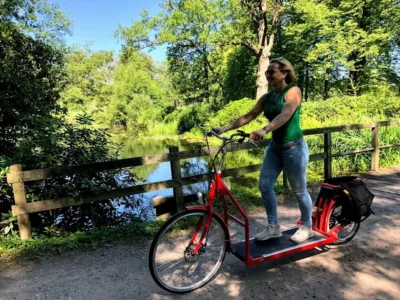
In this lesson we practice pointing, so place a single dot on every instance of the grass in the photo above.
(163, 129)
(12, 249)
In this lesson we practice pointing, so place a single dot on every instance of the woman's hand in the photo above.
(219, 130)
(258, 134)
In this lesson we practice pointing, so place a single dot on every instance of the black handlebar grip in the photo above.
(243, 134)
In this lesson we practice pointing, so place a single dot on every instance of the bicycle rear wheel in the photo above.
(349, 230)
(172, 263)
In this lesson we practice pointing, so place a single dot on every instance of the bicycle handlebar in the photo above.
(240, 133)
(225, 142)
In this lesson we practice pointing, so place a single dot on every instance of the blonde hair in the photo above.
(286, 66)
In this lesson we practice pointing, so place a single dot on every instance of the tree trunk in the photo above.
(265, 35)
(355, 76)
(326, 89)
(206, 77)
(307, 79)
(262, 84)
(300, 80)
(326, 84)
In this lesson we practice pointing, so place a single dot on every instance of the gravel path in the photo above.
(366, 268)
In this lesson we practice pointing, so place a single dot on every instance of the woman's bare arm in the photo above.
(250, 116)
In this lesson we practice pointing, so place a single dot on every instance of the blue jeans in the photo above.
(293, 157)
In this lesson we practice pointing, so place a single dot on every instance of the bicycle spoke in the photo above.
(349, 229)
(182, 260)
(209, 240)
(173, 242)
(214, 247)
(174, 267)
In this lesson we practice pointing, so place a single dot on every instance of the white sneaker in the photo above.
(302, 234)
(269, 232)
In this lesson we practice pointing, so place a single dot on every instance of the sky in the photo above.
(95, 21)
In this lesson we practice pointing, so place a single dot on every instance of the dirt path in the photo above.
(366, 268)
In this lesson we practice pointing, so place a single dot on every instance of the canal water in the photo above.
(162, 171)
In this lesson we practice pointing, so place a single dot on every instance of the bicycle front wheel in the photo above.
(172, 263)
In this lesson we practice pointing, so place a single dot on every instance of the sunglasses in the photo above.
(270, 73)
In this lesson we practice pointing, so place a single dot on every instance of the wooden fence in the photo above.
(17, 177)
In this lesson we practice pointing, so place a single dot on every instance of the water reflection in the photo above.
(193, 166)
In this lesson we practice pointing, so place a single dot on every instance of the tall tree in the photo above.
(88, 82)
(203, 26)
(136, 93)
(30, 68)
(191, 74)
(39, 19)
(369, 31)
(239, 74)
(33, 131)
(265, 15)
(347, 46)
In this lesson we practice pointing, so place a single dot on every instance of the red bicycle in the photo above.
(189, 249)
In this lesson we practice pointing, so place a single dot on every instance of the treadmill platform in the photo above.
(273, 246)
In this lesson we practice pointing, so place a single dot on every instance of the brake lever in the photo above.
(253, 143)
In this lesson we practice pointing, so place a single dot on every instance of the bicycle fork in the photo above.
(206, 227)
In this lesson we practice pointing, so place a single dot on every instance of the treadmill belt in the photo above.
(272, 246)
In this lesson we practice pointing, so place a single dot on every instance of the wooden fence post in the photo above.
(176, 175)
(328, 152)
(20, 200)
(375, 152)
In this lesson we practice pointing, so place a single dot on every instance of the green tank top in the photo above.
(273, 106)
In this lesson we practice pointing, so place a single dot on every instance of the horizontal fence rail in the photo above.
(22, 209)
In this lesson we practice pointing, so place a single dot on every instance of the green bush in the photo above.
(350, 110)
(193, 117)
(335, 111)
(234, 110)
(188, 119)
(346, 110)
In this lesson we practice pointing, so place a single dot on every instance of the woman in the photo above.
(287, 149)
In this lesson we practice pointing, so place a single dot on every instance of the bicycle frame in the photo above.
(219, 188)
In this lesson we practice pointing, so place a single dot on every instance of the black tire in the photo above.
(179, 229)
(349, 230)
